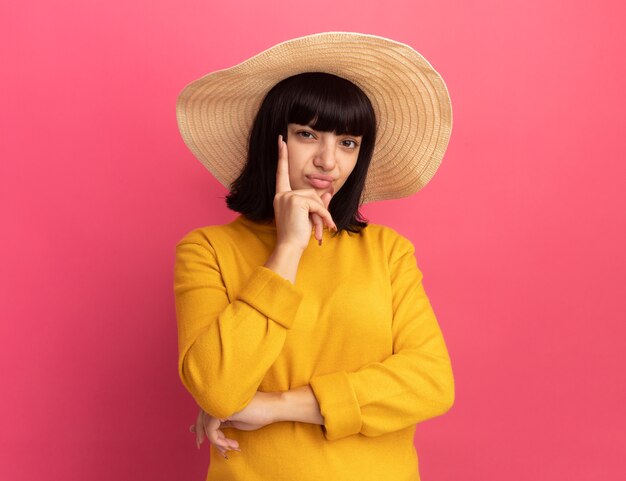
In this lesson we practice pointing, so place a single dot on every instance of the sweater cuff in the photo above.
(338, 405)
(272, 295)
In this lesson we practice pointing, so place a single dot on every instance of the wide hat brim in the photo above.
(410, 99)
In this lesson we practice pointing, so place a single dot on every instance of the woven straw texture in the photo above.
(410, 99)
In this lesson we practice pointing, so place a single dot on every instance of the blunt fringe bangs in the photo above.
(327, 103)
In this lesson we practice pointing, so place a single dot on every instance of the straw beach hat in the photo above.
(410, 100)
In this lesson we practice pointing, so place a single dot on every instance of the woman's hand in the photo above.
(259, 412)
(297, 211)
(209, 426)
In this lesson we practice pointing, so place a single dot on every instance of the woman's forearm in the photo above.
(284, 261)
(299, 405)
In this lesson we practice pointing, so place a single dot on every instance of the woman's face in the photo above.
(320, 160)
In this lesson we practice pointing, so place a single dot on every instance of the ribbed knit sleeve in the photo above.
(226, 346)
(415, 383)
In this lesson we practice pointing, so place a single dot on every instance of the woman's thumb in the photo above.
(326, 196)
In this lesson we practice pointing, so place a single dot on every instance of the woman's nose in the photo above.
(325, 157)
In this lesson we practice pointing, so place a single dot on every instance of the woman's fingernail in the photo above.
(319, 242)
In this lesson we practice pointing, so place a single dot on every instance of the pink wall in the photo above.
(520, 235)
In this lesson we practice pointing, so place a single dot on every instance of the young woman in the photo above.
(305, 333)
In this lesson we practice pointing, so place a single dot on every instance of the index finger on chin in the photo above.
(282, 169)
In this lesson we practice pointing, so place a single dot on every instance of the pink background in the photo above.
(520, 235)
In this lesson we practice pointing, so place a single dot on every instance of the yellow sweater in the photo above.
(357, 326)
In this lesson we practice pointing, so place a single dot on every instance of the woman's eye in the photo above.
(350, 143)
(305, 134)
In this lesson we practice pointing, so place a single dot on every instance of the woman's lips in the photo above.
(319, 183)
